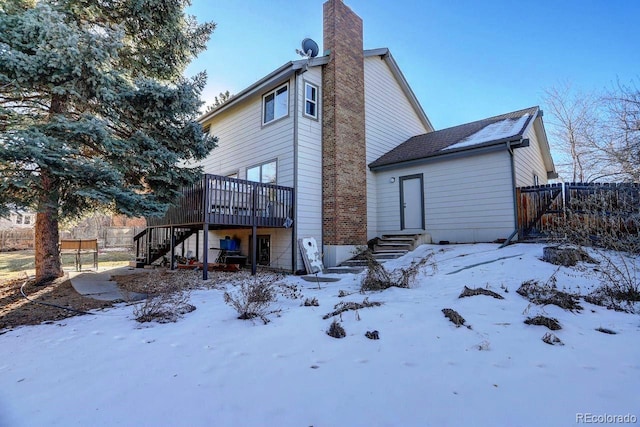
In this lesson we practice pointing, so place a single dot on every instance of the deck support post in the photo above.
(254, 223)
(172, 246)
(205, 252)
(198, 244)
(254, 250)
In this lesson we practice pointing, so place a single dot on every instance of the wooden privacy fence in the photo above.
(613, 208)
(16, 239)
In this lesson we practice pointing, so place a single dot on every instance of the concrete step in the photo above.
(354, 263)
(391, 246)
(345, 270)
(397, 239)
(384, 255)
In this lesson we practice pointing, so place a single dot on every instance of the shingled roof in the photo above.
(469, 136)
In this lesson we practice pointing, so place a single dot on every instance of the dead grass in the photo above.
(468, 292)
(16, 310)
(551, 339)
(341, 307)
(548, 294)
(549, 322)
(17, 264)
(454, 317)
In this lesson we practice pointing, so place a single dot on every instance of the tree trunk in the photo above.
(48, 265)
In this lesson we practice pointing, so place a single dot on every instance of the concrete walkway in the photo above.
(98, 284)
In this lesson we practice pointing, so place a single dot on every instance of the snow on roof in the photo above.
(493, 132)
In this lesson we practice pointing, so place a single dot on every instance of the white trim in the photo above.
(315, 102)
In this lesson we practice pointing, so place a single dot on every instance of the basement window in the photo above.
(310, 100)
(275, 104)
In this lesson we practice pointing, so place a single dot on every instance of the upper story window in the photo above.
(310, 100)
(275, 104)
(265, 173)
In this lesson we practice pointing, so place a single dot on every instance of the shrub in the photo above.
(253, 297)
(548, 294)
(336, 330)
(313, 302)
(167, 302)
(610, 227)
(377, 278)
(372, 335)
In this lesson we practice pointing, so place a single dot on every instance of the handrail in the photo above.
(222, 200)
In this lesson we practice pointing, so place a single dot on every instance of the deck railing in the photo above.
(220, 200)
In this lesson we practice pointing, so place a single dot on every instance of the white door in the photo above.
(411, 202)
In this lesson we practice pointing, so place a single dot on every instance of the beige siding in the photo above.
(309, 186)
(466, 200)
(390, 120)
(528, 161)
(243, 141)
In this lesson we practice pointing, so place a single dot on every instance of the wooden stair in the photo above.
(162, 248)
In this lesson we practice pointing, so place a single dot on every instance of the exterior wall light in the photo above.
(392, 179)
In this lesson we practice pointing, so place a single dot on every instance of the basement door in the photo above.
(412, 202)
(264, 248)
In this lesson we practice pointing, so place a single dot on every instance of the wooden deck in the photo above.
(216, 202)
(222, 201)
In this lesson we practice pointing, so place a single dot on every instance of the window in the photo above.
(275, 104)
(265, 173)
(310, 100)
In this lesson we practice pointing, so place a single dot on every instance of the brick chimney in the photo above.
(344, 170)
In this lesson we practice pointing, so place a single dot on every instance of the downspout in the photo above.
(294, 228)
(513, 187)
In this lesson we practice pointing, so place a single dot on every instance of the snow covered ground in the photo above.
(211, 369)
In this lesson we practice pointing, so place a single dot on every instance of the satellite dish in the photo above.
(309, 48)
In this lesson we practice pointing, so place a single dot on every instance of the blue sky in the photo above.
(464, 59)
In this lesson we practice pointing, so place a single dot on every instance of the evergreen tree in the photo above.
(94, 110)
